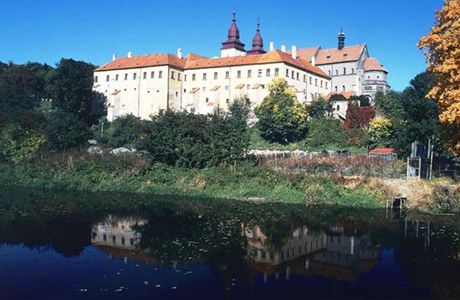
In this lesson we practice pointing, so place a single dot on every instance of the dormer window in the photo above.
(328, 56)
(345, 54)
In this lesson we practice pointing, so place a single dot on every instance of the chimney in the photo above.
(179, 53)
(130, 54)
(114, 57)
(272, 46)
(313, 60)
(294, 52)
(283, 48)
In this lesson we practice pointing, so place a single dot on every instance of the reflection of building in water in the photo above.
(117, 232)
(300, 243)
(336, 256)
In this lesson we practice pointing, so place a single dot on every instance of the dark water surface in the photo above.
(114, 246)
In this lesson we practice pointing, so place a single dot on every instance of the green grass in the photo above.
(244, 181)
(257, 142)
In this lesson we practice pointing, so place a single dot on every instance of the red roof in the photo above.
(194, 61)
(372, 64)
(332, 55)
(383, 151)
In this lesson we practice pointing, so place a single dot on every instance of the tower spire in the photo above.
(341, 39)
(257, 42)
(233, 36)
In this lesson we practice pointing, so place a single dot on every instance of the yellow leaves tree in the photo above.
(442, 47)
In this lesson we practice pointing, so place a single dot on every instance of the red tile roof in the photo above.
(143, 61)
(193, 61)
(269, 57)
(347, 95)
(332, 55)
(383, 151)
(372, 64)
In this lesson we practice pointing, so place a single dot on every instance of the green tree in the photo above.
(282, 118)
(127, 131)
(318, 108)
(381, 133)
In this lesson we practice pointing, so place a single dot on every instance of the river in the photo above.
(56, 245)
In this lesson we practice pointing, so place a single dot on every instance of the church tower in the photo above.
(232, 46)
(257, 42)
(341, 38)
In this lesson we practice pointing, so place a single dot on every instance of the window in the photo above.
(145, 75)
(305, 78)
(292, 74)
(227, 75)
(152, 74)
(336, 72)
(238, 74)
(108, 78)
(177, 94)
(343, 88)
(249, 73)
(277, 71)
(329, 72)
(204, 89)
(178, 76)
(215, 75)
(114, 239)
(316, 81)
(116, 77)
(338, 107)
(172, 75)
(267, 73)
(352, 70)
(160, 74)
(335, 88)
(207, 100)
(344, 71)
(325, 84)
(122, 240)
(226, 87)
(378, 77)
(193, 77)
(298, 76)
(104, 237)
(311, 80)
(287, 73)
(134, 76)
(205, 77)
(248, 86)
(95, 78)
(259, 73)
(227, 100)
(185, 77)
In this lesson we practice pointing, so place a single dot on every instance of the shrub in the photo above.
(381, 133)
(19, 145)
(325, 131)
(127, 131)
(282, 118)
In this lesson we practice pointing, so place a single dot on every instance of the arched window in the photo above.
(344, 71)
(338, 107)
(343, 88)
(336, 88)
(327, 71)
(352, 70)
(336, 72)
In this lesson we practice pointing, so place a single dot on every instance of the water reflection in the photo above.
(212, 251)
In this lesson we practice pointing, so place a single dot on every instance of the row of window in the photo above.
(344, 71)
(289, 74)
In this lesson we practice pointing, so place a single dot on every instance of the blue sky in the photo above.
(92, 30)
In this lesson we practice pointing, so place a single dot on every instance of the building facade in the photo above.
(149, 84)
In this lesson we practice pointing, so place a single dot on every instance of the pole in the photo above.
(431, 160)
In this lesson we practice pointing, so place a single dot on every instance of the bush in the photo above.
(19, 145)
(282, 118)
(325, 131)
(127, 131)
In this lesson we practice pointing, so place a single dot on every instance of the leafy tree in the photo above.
(71, 85)
(363, 100)
(381, 133)
(65, 130)
(19, 91)
(325, 131)
(282, 118)
(358, 117)
(443, 56)
(318, 108)
(390, 104)
(127, 131)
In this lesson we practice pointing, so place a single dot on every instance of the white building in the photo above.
(148, 84)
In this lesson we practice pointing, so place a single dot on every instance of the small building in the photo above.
(385, 153)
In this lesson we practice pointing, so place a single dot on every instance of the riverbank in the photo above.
(246, 181)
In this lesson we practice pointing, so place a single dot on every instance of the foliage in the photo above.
(19, 144)
(71, 85)
(325, 131)
(282, 118)
(126, 131)
(443, 56)
(363, 100)
(358, 117)
(381, 132)
(65, 130)
(318, 108)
